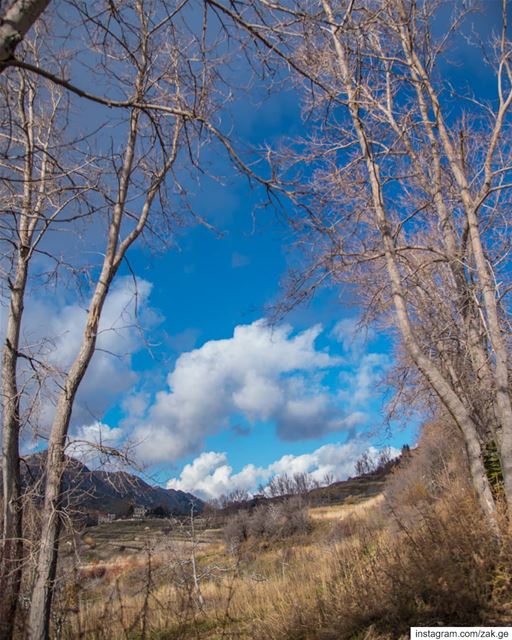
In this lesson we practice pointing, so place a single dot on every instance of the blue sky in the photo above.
(212, 395)
(210, 291)
(211, 283)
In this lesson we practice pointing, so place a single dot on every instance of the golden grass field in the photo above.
(367, 569)
(244, 594)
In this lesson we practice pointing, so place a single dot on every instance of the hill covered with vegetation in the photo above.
(406, 546)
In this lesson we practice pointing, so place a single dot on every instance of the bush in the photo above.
(294, 517)
(438, 570)
(236, 529)
(271, 521)
(431, 561)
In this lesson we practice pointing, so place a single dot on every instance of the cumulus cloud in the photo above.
(360, 384)
(210, 474)
(353, 338)
(110, 373)
(136, 404)
(53, 331)
(262, 373)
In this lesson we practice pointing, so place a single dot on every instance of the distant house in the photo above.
(106, 517)
(139, 513)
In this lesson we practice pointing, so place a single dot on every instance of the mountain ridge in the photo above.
(97, 490)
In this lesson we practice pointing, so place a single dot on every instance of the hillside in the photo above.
(406, 546)
(349, 491)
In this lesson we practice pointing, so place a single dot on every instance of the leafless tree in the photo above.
(405, 188)
(162, 65)
(404, 191)
(234, 498)
(40, 185)
(364, 464)
(297, 484)
(158, 71)
(17, 17)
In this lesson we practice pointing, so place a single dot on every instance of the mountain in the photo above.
(93, 491)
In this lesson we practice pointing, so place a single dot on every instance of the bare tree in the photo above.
(39, 187)
(151, 148)
(364, 464)
(297, 484)
(405, 187)
(236, 497)
(163, 65)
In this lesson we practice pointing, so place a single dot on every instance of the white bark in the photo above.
(116, 250)
(471, 203)
(12, 548)
(40, 607)
(15, 24)
(425, 365)
(27, 220)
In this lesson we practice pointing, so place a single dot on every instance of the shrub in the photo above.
(431, 560)
(236, 529)
(437, 570)
(271, 521)
(294, 517)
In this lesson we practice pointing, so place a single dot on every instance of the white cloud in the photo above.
(360, 384)
(90, 440)
(363, 370)
(110, 373)
(136, 404)
(53, 332)
(262, 372)
(352, 336)
(99, 433)
(210, 475)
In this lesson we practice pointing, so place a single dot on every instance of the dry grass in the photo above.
(336, 512)
(421, 555)
(239, 596)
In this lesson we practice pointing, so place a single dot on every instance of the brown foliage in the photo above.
(273, 521)
(435, 563)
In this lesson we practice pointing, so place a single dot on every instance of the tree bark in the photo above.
(12, 537)
(503, 401)
(40, 608)
(431, 372)
(39, 615)
(14, 25)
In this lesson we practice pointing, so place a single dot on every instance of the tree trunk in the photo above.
(12, 536)
(502, 398)
(15, 24)
(425, 365)
(116, 248)
(40, 608)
